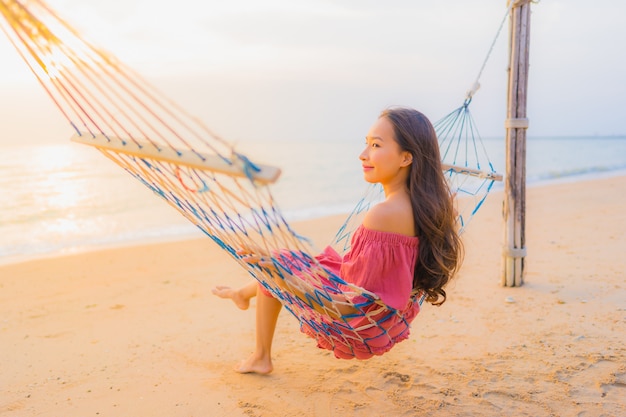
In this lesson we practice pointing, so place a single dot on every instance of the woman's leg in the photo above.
(241, 296)
(267, 311)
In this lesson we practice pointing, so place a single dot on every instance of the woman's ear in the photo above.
(407, 159)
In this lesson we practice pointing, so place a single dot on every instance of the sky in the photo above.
(305, 69)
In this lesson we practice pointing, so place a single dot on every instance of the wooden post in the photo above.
(514, 210)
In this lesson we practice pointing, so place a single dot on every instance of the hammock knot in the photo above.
(248, 167)
(470, 93)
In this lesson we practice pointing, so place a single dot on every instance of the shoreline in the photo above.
(193, 233)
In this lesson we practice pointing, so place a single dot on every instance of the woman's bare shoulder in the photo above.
(390, 217)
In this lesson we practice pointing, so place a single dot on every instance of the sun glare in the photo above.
(55, 62)
(57, 189)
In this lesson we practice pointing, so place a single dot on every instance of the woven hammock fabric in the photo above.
(220, 190)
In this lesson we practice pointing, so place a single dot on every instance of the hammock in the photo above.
(219, 189)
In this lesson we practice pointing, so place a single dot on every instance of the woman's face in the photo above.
(382, 159)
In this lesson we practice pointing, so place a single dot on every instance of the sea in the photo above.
(65, 197)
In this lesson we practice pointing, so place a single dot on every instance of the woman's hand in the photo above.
(261, 259)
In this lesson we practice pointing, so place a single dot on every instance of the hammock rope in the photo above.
(476, 83)
(221, 190)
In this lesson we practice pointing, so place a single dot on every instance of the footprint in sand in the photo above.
(397, 378)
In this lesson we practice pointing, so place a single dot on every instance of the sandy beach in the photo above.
(135, 331)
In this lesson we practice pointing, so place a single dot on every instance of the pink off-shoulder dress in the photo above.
(382, 263)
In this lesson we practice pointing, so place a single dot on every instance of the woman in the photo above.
(407, 244)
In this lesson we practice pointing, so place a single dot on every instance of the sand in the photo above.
(135, 331)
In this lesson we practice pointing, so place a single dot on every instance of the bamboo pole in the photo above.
(514, 210)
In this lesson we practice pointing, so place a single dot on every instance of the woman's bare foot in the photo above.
(256, 365)
(240, 300)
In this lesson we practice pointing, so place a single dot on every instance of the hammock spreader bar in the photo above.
(472, 172)
(235, 166)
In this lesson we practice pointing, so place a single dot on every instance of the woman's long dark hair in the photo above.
(440, 248)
